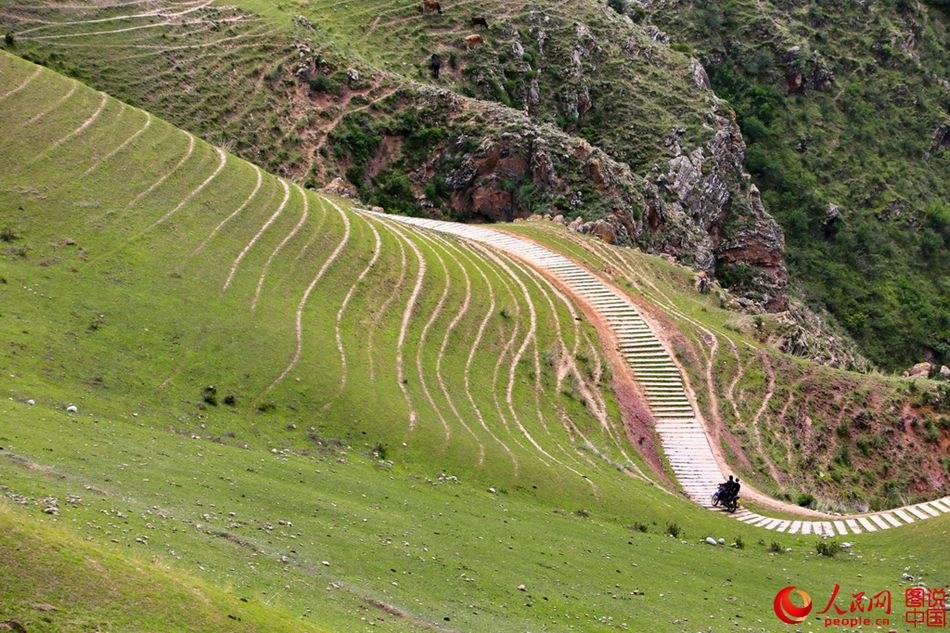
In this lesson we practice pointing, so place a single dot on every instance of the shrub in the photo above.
(740, 544)
(776, 548)
(826, 548)
(8, 39)
(617, 5)
(806, 500)
(7, 234)
(210, 395)
(230, 400)
(266, 407)
(381, 451)
(673, 530)
(321, 83)
(639, 527)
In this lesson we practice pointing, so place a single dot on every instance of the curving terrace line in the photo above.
(679, 423)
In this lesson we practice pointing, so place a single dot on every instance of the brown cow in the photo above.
(478, 20)
(431, 5)
(472, 41)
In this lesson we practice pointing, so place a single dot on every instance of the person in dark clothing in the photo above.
(725, 489)
(435, 65)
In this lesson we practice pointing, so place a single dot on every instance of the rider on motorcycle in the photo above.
(729, 490)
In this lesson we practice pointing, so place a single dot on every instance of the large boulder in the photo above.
(920, 370)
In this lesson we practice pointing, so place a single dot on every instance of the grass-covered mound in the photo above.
(217, 434)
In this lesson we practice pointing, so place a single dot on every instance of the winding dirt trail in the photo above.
(377, 251)
(247, 247)
(26, 82)
(126, 143)
(72, 90)
(404, 325)
(222, 160)
(769, 392)
(420, 348)
(463, 310)
(103, 100)
(158, 183)
(118, 18)
(277, 249)
(247, 201)
(298, 315)
(467, 373)
(381, 312)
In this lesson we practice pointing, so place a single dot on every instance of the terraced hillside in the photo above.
(309, 311)
(802, 432)
(216, 329)
(314, 91)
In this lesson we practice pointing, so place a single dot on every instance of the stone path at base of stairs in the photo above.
(682, 434)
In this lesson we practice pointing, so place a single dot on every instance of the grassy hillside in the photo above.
(530, 121)
(803, 431)
(220, 433)
(845, 111)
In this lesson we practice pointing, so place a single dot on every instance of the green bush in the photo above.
(826, 548)
(806, 500)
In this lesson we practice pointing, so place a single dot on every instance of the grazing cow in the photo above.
(431, 5)
(435, 65)
(472, 41)
(478, 20)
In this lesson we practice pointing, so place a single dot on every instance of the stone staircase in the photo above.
(680, 429)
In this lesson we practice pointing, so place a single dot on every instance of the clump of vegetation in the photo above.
(266, 407)
(826, 548)
(7, 234)
(806, 500)
(209, 395)
(230, 400)
(673, 529)
(776, 548)
(739, 543)
(639, 527)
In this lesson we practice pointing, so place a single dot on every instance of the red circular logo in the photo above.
(788, 612)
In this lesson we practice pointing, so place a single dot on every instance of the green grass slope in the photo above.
(267, 396)
(801, 430)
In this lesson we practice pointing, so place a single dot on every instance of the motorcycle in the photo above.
(729, 504)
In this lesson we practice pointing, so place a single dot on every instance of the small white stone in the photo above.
(72, 409)
(31, 402)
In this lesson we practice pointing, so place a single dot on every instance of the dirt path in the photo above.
(463, 310)
(103, 100)
(247, 247)
(158, 183)
(26, 82)
(381, 312)
(298, 316)
(377, 251)
(234, 214)
(222, 160)
(126, 143)
(467, 374)
(293, 232)
(404, 326)
(148, 14)
(769, 392)
(72, 90)
(420, 348)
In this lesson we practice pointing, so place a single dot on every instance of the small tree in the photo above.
(8, 40)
